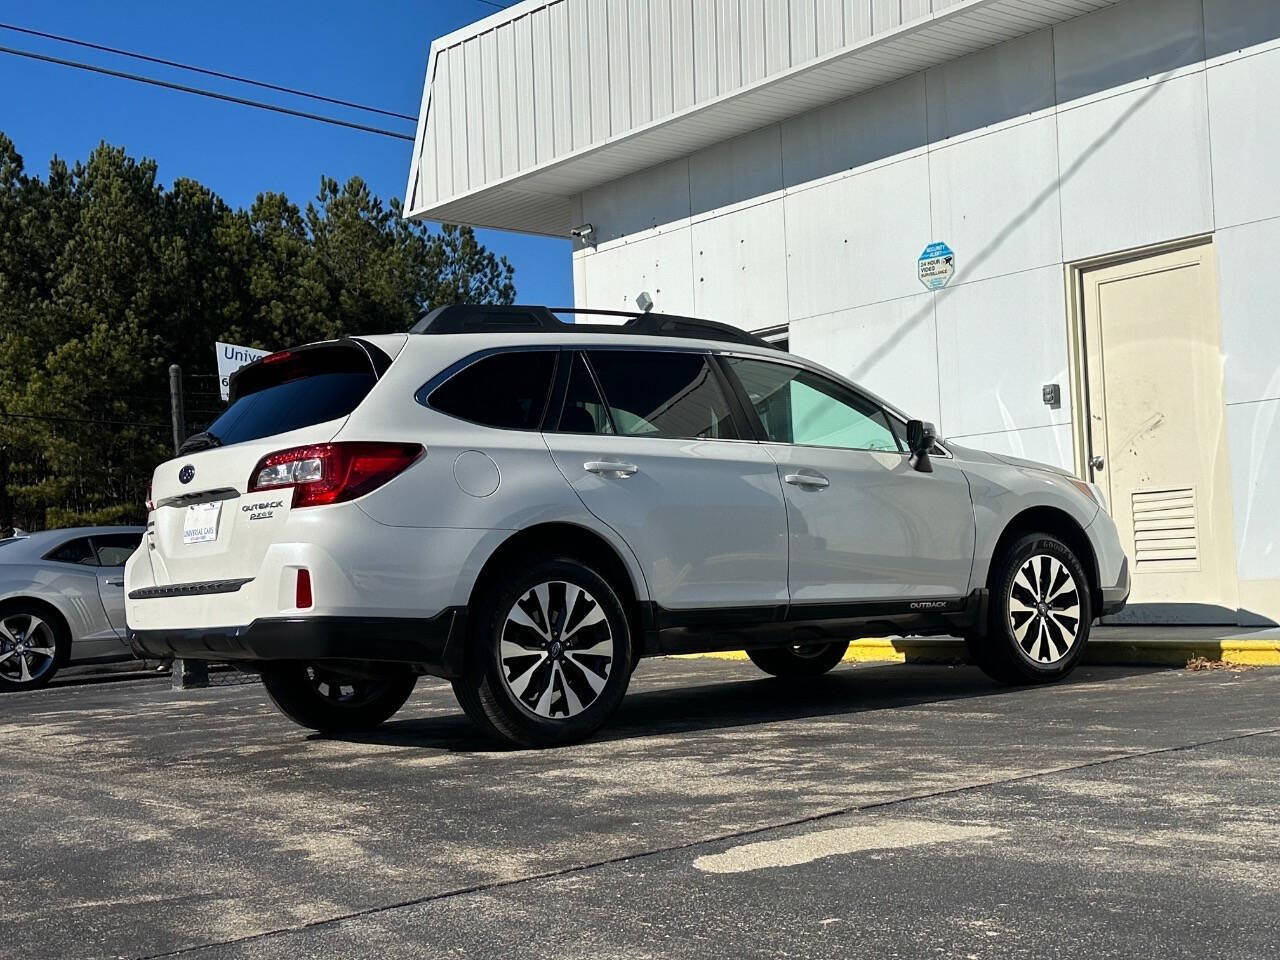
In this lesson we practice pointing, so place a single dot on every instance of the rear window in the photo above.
(303, 388)
(507, 390)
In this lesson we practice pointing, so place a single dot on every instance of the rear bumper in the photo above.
(434, 644)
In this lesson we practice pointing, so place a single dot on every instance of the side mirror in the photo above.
(920, 439)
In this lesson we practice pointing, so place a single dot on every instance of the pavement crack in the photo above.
(819, 817)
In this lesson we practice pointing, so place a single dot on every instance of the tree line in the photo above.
(107, 277)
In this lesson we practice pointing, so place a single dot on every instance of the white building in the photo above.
(1105, 173)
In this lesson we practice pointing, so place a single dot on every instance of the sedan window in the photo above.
(74, 551)
(800, 407)
(114, 549)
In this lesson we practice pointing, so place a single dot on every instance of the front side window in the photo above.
(800, 407)
(665, 395)
(506, 390)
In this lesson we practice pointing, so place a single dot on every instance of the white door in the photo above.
(659, 462)
(864, 524)
(1157, 432)
(112, 551)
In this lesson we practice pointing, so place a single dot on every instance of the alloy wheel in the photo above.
(28, 648)
(342, 690)
(1044, 609)
(556, 650)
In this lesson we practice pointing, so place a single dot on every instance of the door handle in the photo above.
(807, 480)
(1096, 462)
(610, 467)
(114, 583)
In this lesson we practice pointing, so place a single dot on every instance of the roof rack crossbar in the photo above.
(485, 318)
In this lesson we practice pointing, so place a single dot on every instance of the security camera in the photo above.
(584, 232)
(644, 301)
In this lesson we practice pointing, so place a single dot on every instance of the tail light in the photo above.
(151, 504)
(332, 472)
(302, 598)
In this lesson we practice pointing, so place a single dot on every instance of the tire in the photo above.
(33, 644)
(550, 655)
(800, 660)
(1039, 615)
(325, 699)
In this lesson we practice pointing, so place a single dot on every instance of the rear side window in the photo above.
(114, 549)
(663, 394)
(74, 551)
(298, 390)
(584, 410)
(507, 390)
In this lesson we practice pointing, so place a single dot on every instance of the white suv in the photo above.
(527, 506)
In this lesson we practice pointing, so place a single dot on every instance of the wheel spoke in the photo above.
(519, 682)
(43, 651)
(5, 633)
(6, 656)
(24, 672)
(594, 679)
(590, 619)
(519, 616)
(1020, 631)
(572, 703)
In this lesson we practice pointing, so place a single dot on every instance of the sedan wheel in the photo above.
(28, 651)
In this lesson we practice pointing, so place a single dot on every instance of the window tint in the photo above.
(797, 406)
(584, 411)
(507, 390)
(114, 549)
(74, 551)
(663, 394)
(297, 390)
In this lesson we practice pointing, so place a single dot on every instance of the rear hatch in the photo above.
(205, 525)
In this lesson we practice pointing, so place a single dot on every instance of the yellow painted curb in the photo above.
(1259, 653)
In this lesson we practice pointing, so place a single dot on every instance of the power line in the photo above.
(96, 423)
(204, 70)
(491, 3)
(226, 97)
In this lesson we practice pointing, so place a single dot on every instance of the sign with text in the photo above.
(230, 359)
(936, 266)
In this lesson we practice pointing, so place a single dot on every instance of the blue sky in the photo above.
(373, 53)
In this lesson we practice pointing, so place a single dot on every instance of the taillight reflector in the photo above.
(303, 599)
(332, 472)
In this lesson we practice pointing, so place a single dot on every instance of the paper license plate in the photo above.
(201, 522)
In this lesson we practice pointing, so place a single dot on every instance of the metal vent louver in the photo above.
(1165, 530)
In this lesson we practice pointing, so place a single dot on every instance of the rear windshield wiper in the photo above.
(199, 441)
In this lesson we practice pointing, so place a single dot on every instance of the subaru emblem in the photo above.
(187, 474)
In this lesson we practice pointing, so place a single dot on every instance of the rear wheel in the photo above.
(801, 659)
(1040, 613)
(331, 700)
(31, 644)
(550, 657)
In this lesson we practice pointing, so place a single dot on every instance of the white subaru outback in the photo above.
(526, 506)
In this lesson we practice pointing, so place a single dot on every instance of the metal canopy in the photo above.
(526, 109)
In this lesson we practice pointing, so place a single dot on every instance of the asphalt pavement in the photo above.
(882, 811)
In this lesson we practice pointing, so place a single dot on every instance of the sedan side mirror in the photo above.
(920, 439)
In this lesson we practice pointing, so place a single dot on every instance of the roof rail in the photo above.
(486, 318)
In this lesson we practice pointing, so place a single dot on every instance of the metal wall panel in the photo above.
(857, 20)
(914, 10)
(506, 44)
(490, 115)
(526, 142)
(458, 118)
(597, 76)
(561, 79)
(830, 14)
(660, 57)
(682, 72)
(804, 30)
(543, 94)
(619, 73)
(777, 35)
(885, 15)
(581, 87)
(472, 77)
(442, 123)
(706, 74)
(641, 83)
(728, 44)
(751, 20)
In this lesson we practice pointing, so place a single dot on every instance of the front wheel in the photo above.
(551, 654)
(332, 700)
(30, 647)
(800, 660)
(1040, 613)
